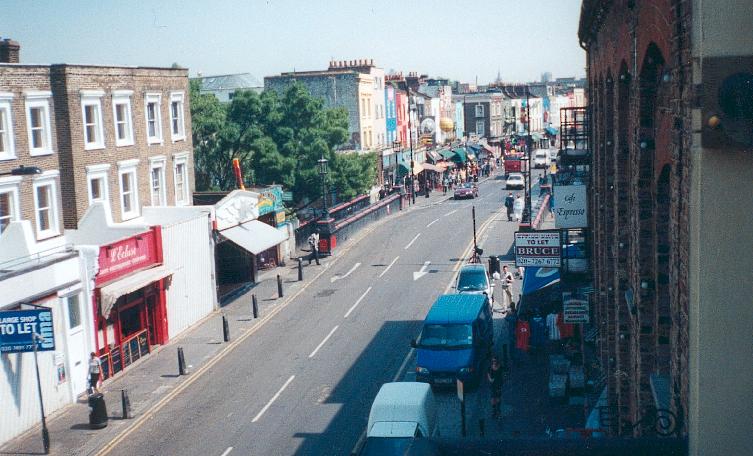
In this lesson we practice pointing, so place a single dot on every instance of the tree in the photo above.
(207, 119)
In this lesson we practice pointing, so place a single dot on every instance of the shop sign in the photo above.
(122, 257)
(570, 206)
(17, 329)
(270, 200)
(575, 307)
(538, 248)
(279, 218)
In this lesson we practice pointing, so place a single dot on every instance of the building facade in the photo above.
(390, 117)
(669, 217)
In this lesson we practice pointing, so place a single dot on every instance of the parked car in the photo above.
(466, 190)
(541, 158)
(515, 181)
(455, 341)
(473, 279)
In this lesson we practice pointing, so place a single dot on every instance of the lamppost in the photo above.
(322, 164)
(410, 132)
(397, 148)
(527, 212)
(22, 171)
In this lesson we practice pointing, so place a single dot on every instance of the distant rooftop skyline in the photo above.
(441, 38)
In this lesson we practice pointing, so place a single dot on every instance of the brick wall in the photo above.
(638, 66)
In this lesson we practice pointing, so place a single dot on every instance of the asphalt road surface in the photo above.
(304, 382)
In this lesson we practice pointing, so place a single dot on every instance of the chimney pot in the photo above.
(9, 51)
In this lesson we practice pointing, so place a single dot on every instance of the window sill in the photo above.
(124, 143)
(178, 139)
(130, 216)
(47, 234)
(94, 146)
(154, 141)
(40, 152)
(6, 157)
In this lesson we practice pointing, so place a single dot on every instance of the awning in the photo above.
(110, 293)
(417, 167)
(430, 167)
(254, 236)
(460, 154)
(536, 278)
(433, 156)
(447, 154)
(551, 131)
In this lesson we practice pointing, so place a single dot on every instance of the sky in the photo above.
(459, 40)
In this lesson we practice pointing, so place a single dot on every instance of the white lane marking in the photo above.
(412, 241)
(430, 224)
(353, 307)
(389, 266)
(323, 342)
(271, 401)
(450, 213)
(227, 452)
(418, 274)
(402, 367)
(338, 277)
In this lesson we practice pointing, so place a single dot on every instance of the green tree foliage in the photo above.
(277, 140)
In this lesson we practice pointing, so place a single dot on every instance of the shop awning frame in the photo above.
(109, 294)
(430, 167)
(254, 236)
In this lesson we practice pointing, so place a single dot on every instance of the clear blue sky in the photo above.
(455, 39)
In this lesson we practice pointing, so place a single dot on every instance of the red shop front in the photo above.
(130, 300)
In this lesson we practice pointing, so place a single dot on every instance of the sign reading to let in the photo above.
(17, 329)
(538, 248)
(124, 256)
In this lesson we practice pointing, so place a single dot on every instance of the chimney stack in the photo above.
(9, 51)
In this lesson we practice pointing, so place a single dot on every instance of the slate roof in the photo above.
(230, 82)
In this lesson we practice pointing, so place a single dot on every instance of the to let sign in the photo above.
(17, 329)
(574, 308)
(538, 248)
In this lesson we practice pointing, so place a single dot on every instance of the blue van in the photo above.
(456, 338)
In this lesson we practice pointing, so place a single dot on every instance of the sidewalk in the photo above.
(150, 379)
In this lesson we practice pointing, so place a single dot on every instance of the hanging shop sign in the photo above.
(270, 200)
(237, 207)
(575, 307)
(17, 329)
(570, 206)
(538, 248)
(126, 256)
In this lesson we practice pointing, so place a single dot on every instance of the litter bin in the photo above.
(98, 414)
(494, 264)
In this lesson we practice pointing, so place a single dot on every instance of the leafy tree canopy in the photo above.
(277, 139)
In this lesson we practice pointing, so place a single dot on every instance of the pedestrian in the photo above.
(518, 207)
(509, 203)
(95, 369)
(313, 241)
(507, 281)
(495, 377)
(445, 184)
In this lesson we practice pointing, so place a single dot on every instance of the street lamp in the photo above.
(410, 130)
(322, 165)
(527, 214)
(22, 171)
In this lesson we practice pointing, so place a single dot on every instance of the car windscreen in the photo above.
(472, 280)
(384, 446)
(515, 178)
(446, 336)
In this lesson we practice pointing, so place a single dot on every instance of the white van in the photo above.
(541, 158)
(403, 409)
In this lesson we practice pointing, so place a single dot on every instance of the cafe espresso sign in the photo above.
(570, 206)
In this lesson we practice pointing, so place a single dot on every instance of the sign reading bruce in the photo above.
(538, 248)
(17, 328)
(570, 206)
(574, 307)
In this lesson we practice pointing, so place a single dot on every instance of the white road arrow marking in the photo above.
(418, 274)
(338, 277)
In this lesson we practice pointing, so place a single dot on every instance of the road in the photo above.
(304, 382)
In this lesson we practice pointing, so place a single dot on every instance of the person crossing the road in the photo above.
(509, 203)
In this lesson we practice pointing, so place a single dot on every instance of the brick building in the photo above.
(669, 215)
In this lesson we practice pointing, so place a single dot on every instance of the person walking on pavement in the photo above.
(445, 184)
(509, 202)
(518, 207)
(95, 368)
(314, 244)
(507, 281)
(495, 382)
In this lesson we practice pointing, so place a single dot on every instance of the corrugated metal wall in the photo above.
(19, 403)
(187, 249)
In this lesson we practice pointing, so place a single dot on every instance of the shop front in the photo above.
(130, 300)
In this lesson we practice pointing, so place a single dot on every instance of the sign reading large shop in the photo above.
(127, 255)
(570, 206)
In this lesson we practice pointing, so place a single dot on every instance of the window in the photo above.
(157, 181)
(181, 179)
(153, 119)
(129, 196)
(38, 122)
(479, 110)
(45, 205)
(8, 201)
(97, 176)
(121, 114)
(177, 128)
(480, 128)
(73, 307)
(91, 109)
(7, 149)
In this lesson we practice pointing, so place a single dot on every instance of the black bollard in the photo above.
(126, 402)
(254, 306)
(279, 286)
(181, 362)
(481, 425)
(300, 269)
(225, 329)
